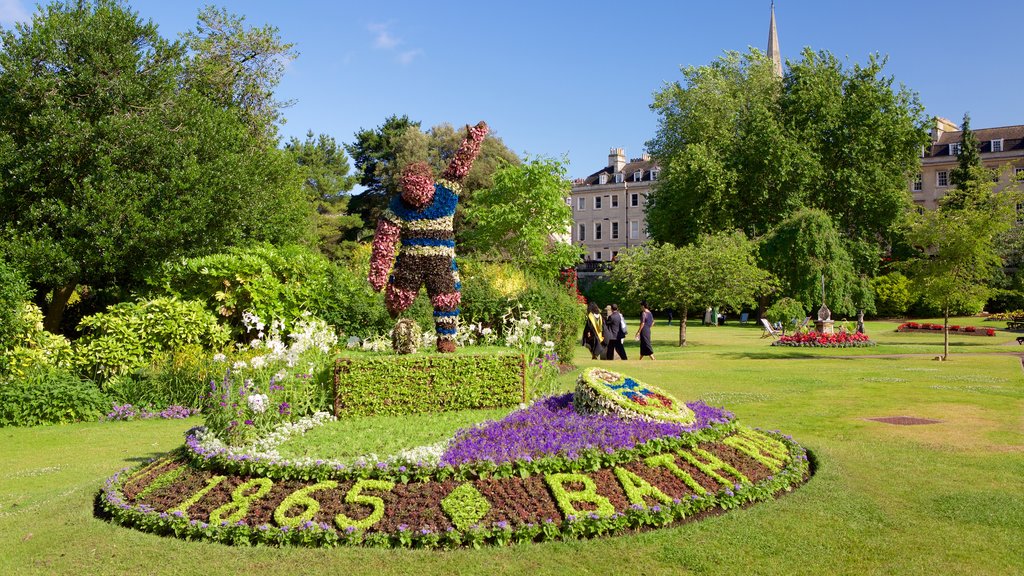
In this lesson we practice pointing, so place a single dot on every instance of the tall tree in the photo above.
(970, 179)
(327, 183)
(957, 254)
(374, 153)
(239, 66)
(110, 167)
(520, 218)
(741, 149)
(716, 270)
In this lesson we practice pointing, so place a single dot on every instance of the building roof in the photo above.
(1012, 137)
(645, 166)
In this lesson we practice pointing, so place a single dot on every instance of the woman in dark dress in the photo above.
(643, 332)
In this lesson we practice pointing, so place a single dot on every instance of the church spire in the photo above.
(773, 46)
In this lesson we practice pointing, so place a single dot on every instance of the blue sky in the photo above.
(576, 78)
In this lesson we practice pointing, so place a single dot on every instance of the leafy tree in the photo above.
(519, 218)
(239, 67)
(326, 182)
(802, 249)
(957, 253)
(741, 149)
(110, 167)
(717, 270)
(892, 294)
(14, 292)
(375, 156)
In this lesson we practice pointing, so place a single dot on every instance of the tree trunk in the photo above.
(55, 309)
(945, 334)
(682, 326)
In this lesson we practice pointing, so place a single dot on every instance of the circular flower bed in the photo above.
(815, 340)
(545, 472)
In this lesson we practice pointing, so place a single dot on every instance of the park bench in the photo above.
(1016, 323)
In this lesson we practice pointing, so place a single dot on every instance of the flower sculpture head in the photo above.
(417, 184)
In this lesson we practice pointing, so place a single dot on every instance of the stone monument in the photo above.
(824, 323)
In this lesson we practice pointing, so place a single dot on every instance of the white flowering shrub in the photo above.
(285, 379)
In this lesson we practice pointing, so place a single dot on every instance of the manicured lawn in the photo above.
(936, 499)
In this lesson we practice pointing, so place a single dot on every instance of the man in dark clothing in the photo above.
(616, 327)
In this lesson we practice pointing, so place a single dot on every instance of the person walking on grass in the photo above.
(643, 332)
(593, 331)
(615, 330)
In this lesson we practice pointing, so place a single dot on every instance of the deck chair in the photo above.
(743, 317)
(768, 330)
(802, 325)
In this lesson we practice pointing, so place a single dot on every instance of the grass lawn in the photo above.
(945, 498)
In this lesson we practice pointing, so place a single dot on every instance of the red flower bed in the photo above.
(955, 329)
(813, 339)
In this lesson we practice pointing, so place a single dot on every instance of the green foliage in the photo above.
(717, 270)
(517, 219)
(238, 67)
(436, 383)
(14, 291)
(49, 395)
(127, 335)
(114, 166)
(785, 310)
(606, 292)
(740, 148)
(176, 377)
(34, 346)
(465, 506)
(800, 250)
(892, 294)
(970, 179)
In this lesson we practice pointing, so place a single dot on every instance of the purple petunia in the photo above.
(552, 427)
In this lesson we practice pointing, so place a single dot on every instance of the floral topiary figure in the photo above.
(421, 220)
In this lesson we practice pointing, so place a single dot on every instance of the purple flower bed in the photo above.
(552, 427)
(129, 412)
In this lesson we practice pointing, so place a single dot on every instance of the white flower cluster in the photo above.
(308, 334)
(258, 403)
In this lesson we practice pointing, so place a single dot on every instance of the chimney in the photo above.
(942, 126)
(616, 159)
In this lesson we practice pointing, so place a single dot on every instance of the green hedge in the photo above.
(427, 383)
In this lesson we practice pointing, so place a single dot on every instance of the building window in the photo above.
(615, 255)
(618, 178)
(597, 255)
(583, 233)
(954, 148)
(581, 203)
(615, 230)
(654, 174)
(602, 179)
(597, 203)
(597, 231)
(634, 229)
(634, 199)
(615, 200)
(942, 178)
(997, 145)
(638, 175)
(918, 183)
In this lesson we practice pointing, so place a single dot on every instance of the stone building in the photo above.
(1001, 149)
(608, 206)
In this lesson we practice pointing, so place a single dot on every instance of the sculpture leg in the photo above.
(443, 288)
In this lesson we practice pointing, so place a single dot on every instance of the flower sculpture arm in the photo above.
(385, 239)
(467, 152)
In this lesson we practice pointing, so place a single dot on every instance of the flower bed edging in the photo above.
(169, 497)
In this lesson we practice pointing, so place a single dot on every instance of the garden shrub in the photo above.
(428, 383)
(892, 294)
(550, 300)
(127, 335)
(34, 346)
(49, 395)
(785, 310)
(14, 291)
(605, 292)
(178, 377)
